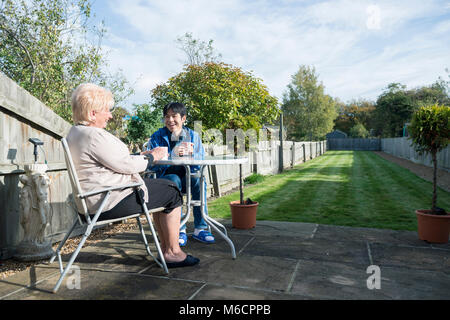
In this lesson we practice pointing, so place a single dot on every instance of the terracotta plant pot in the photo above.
(243, 216)
(433, 228)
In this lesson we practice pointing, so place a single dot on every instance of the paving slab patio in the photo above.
(275, 261)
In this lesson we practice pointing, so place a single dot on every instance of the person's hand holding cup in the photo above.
(186, 149)
(158, 153)
(189, 147)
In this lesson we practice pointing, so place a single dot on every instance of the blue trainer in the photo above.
(204, 236)
(182, 239)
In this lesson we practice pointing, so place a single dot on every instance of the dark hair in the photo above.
(176, 107)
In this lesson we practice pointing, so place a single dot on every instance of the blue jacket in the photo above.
(162, 137)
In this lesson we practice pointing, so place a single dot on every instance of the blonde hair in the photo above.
(87, 97)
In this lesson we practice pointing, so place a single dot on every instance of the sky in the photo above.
(356, 47)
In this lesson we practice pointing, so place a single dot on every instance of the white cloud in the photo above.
(408, 43)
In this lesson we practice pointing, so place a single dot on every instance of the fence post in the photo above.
(215, 181)
(280, 155)
(304, 152)
(293, 154)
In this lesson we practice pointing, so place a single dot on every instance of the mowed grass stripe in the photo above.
(308, 182)
(382, 196)
(415, 189)
(409, 192)
(275, 192)
(337, 204)
(318, 194)
(362, 193)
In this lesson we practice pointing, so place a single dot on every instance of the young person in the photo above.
(181, 140)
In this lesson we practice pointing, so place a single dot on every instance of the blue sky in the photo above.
(357, 47)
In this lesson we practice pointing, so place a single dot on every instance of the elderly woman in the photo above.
(102, 160)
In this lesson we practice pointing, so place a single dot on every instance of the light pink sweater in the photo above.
(102, 160)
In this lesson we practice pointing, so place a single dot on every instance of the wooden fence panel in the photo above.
(356, 144)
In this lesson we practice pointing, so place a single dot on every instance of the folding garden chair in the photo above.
(79, 197)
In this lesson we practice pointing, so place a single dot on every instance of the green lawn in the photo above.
(349, 188)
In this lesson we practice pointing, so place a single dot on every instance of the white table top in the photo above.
(207, 160)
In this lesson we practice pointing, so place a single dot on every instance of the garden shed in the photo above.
(336, 134)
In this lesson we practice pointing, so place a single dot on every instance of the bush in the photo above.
(429, 128)
(430, 133)
(254, 178)
(359, 131)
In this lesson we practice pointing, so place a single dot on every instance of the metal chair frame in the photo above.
(79, 198)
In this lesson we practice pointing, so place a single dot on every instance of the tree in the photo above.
(46, 48)
(197, 51)
(353, 113)
(438, 92)
(219, 95)
(142, 125)
(358, 131)
(308, 112)
(430, 133)
(394, 108)
(116, 125)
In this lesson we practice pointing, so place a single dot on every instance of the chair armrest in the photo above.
(91, 193)
(148, 173)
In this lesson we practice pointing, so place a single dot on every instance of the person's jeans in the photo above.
(180, 180)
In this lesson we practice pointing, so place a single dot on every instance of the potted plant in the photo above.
(429, 130)
(243, 213)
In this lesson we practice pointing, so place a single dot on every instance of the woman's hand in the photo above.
(158, 153)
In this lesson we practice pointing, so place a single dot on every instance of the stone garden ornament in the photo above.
(35, 214)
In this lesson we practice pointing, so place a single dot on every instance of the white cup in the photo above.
(166, 152)
(189, 147)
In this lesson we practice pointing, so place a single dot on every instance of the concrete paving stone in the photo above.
(114, 263)
(224, 292)
(441, 245)
(98, 260)
(411, 284)
(132, 235)
(132, 240)
(130, 244)
(125, 252)
(316, 249)
(275, 260)
(246, 271)
(97, 285)
(393, 237)
(273, 228)
(411, 257)
(333, 280)
(220, 247)
(27, 278)
(102, 257)
(130, 247)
